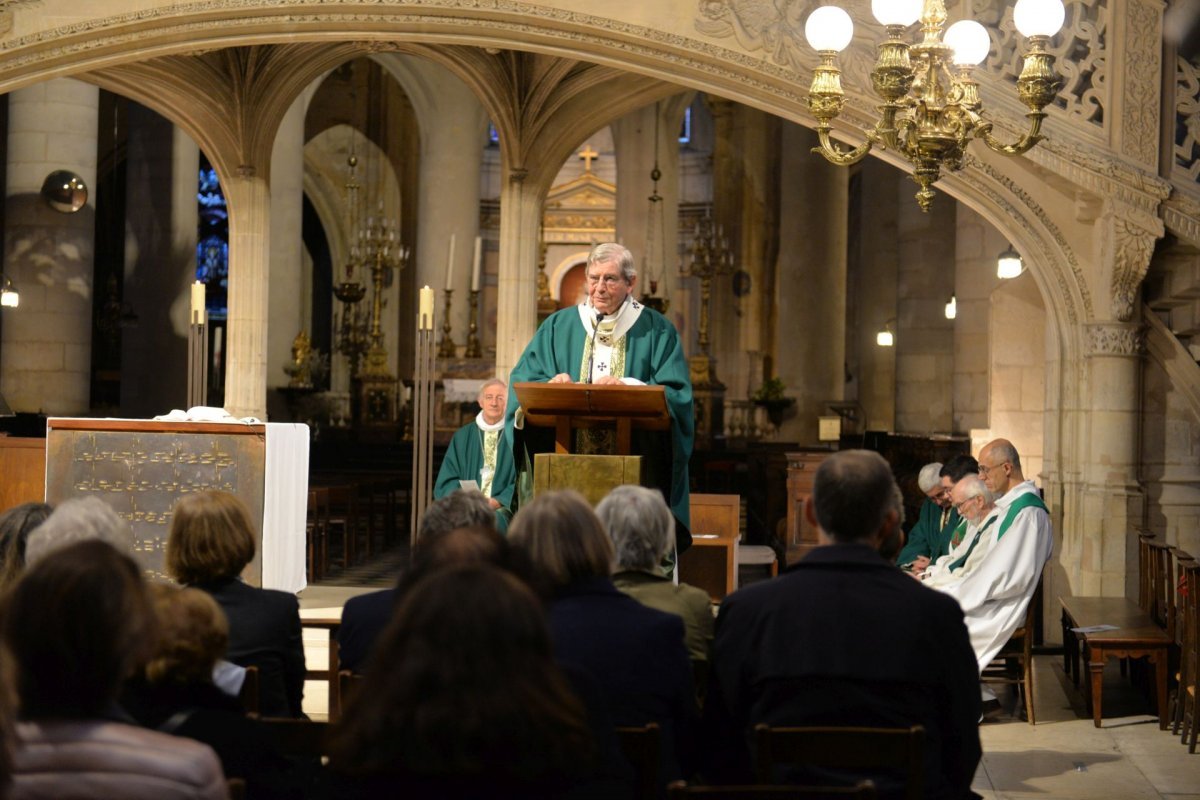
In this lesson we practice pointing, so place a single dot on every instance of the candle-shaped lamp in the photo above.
(425, 314)
(475, 265)
(197, 309)
(450, 266)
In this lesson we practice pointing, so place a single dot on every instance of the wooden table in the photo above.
(1135, 636)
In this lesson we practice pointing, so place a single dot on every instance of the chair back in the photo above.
(300, 738)
(347, 685)
(864, 790)
(642, 747)
(901, 750)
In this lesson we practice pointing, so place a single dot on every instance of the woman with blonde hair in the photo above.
(211, 541)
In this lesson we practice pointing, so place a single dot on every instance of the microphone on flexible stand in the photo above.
(592, 346)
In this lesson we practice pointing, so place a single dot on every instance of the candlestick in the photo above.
(197, 303)
(475, 265)
(425, 314)
(450, 266)
(446, 348)
(473, 350)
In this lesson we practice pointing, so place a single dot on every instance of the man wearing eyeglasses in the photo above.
(929, 539)
(970, 498)
(995, 593)
(474, 452)
(611, 338)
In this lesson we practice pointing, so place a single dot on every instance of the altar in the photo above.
(141, 468)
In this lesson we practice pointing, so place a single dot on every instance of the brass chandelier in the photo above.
(931, 108)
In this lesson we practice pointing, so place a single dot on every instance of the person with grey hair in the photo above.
(975, 503)
(364, 617)
(844, 638)
(609, 338)
(930, 537)
(474, 451)
(643, 532)
(76, 520)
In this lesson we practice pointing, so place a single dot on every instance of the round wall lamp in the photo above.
(1009, 264)
(64, 191)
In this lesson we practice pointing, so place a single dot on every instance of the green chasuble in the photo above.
(653, 355)
(464, 462)
(928, 537)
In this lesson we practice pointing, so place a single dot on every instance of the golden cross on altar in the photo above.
(588, 155)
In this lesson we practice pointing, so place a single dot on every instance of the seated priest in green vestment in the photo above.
(475, 452)
(939, 527)
(610, 338)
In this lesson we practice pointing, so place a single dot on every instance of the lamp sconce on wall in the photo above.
(1009, 264)
(951, 308)
(885, 338)
(9, 297)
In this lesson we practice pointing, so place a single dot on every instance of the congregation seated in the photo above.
(175, 694)
(636, 654)
(642, 530)
(77, 624)
(210, 542)
(15, 526)
(364, 617)
(845, 638)
(462, 698)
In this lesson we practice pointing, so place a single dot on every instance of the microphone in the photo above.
(592, 346)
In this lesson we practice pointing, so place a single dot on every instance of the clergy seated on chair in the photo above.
(610, 338)
(975, 503)
(643, 532)
(636, 654)
(940, 527)
(474, 451)
(364, 617)
(1018, 543)
(845, 638)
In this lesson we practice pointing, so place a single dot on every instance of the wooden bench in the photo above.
(1135, 636)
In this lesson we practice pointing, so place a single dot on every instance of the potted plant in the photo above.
(770, 396)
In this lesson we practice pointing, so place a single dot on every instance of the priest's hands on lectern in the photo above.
(610, 338)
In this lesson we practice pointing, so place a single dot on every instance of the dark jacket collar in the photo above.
(587, 587)
(842, 555)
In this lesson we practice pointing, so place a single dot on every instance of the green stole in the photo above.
(1027, 500)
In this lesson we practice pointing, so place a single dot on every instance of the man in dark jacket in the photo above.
(846, 638)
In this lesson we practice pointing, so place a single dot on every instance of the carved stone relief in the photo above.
(1143, 77)
(1133, 246)
(1187, 121)
(1114, 340)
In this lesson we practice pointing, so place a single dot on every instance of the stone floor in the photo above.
(1063, 757)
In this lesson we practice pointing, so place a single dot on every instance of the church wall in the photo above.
(975, 248)
(924, 356)
(291, 292)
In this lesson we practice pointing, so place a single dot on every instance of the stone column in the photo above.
(290, 300)
(516, 301)
(451, 159)
(160, 262)
(46, 363)
(1112, 500)
(872, 291)
(249, 200)
(925, 338)
(810, 282)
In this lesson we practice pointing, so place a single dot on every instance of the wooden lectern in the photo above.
(569, 406)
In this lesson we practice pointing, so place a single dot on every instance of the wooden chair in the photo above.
(249, 693)
(850, 748)
(865, 790)
(1177, 693)
(1189, 717)
(299, 738)
(347, 685)
(1013, 665)
(642, 747)
(342, 518)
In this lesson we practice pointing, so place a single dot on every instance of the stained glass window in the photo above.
(212, 247)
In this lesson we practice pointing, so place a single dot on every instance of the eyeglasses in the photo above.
(609, 280)
(959, 506)
(984, 469)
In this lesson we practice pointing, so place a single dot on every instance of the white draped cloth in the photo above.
(995, 593)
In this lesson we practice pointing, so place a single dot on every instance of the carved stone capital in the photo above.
(1113, 339)
(1133, 236)
(246, 171)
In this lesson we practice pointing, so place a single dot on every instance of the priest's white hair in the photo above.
(930, 476)
(611, 251)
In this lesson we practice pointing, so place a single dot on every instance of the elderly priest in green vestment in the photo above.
(475, 451)
(612, 338)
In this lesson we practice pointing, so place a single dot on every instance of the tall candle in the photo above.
(450, 266)
(425, 314)
(197, 303)
(475, 265)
